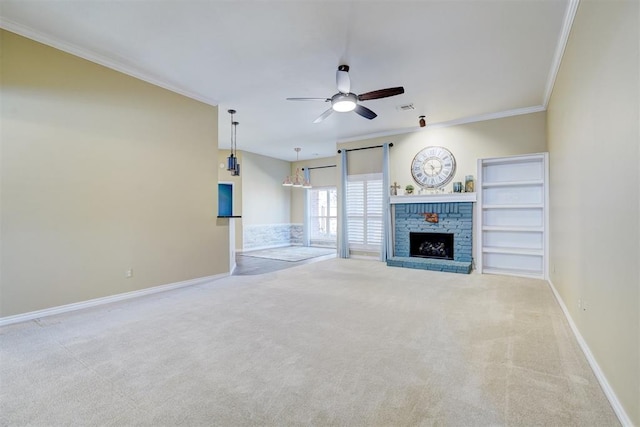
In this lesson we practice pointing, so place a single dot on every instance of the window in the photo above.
(364, 211)
(323, 216)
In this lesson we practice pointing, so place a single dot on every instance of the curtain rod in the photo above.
(320, 167)
(365, 148)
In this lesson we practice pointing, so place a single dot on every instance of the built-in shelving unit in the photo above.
(512, 215)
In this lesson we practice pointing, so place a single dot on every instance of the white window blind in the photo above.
(323, 215)
(364, 211)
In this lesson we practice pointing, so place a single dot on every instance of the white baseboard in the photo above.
(8, 320)
(602, 379)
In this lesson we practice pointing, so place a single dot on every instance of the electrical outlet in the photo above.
(580, 303)
(129, 273)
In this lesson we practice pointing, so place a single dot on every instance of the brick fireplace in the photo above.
(452, 217)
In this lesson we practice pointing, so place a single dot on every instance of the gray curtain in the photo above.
(343, 235)
(306, 236)
(386, 251)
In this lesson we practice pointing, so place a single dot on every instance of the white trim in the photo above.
(547, 209)
(434, 198)
(569, 16)
(32, 34)
(602, 379)
(462, 121)
(489, 116)
(513, 159)
(9, 320)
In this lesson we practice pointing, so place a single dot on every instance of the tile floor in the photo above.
(246, 266)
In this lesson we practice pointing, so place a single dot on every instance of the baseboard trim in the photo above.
(8, 320)
(602, 379)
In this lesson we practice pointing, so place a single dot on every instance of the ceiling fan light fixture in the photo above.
(343, 102)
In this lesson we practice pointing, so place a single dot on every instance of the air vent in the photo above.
(405, 107)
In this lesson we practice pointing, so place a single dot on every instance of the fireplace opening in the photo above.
(431, 245)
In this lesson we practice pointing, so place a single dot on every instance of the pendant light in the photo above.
(232, 161)
(236, 169)
(296, 180)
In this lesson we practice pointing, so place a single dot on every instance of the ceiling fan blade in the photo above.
(309, 99)
(343, 81)
(365, 112)
(382, 93)
(323, 115)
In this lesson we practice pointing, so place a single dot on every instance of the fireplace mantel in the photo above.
(434, 198)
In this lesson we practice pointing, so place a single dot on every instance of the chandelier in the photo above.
(297, 179)
(232, 161)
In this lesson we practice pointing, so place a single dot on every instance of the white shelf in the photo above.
(512, 215)
(514, 272)
(518, 229)
(513, 251)
(512, 183)
(518, 206)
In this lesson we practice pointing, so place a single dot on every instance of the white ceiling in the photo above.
(457, 60)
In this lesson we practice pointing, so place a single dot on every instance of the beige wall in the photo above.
(264, 199)
(508, 136)
(594, 140)
(326, 177)
(100, 173)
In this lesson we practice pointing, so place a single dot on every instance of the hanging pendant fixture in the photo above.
(236, 169)
(296, 180)
(232, 161)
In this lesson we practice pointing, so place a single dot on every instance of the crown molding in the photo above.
(37, 36)
(456, 122)
(569, 16)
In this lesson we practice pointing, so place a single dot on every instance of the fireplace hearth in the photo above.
(452, 253)
(431, 245)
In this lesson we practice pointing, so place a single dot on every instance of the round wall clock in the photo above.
(433, 167)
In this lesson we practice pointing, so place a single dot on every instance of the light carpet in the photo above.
(337, 342)
(290, 253)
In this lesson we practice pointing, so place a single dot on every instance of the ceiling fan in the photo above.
(344, 100)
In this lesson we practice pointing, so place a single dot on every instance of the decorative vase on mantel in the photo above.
(408, 189)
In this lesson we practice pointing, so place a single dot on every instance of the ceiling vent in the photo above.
(405, 107)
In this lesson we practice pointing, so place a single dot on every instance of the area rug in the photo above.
(290, 253)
